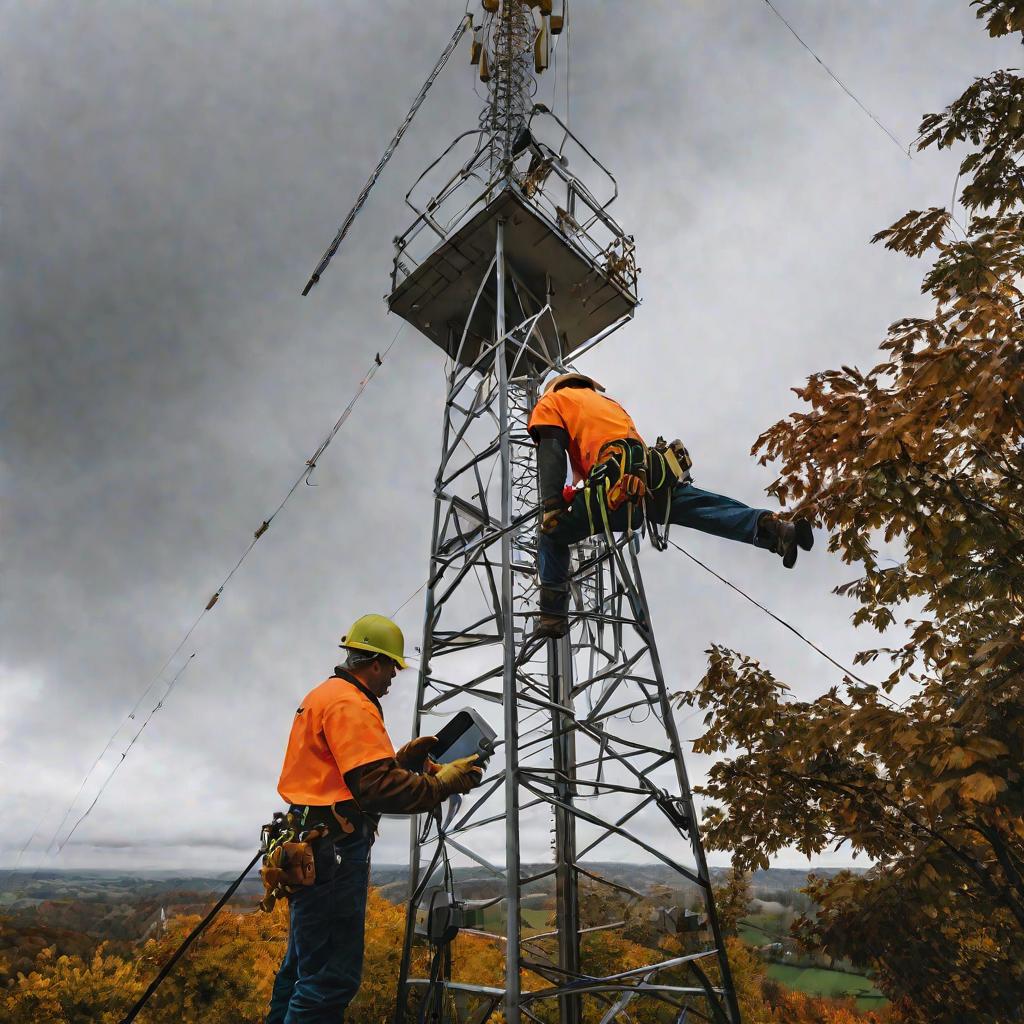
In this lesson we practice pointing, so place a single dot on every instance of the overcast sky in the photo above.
(171, 174)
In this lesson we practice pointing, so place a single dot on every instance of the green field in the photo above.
(534, 920)
(817, 981)
(750, 932)
(763, 929)
(537, 920)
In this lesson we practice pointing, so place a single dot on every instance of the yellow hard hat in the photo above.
(568, 378)
(378, 635)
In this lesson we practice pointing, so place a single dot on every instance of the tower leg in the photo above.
(567, 909)
(509, 695)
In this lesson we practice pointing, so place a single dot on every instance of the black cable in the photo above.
(781, 622)
(106, 782)
(427, 1013)
(189, 939)
(113, 736)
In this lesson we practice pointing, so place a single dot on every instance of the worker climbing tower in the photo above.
(514, 267)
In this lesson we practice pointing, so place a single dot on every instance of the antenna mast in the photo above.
(511, 82)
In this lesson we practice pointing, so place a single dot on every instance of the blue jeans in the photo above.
(323, 965)
(692, 507)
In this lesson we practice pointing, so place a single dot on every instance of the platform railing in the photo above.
(545, 179)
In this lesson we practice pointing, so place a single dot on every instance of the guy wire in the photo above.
(464, 23)
(767, 611)
(905, 150)
(113, 771)
(304, 476)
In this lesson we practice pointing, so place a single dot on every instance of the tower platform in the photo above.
(551, 261)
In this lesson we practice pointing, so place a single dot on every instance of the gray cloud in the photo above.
(171, 175)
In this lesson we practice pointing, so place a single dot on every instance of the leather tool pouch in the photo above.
(668, 465)
(624, 466)
(289, 867)
(677, 456)
(629, 487)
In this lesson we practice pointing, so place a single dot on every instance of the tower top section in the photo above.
(521, 166)
(511, 46)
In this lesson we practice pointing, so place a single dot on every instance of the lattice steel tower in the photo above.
(514, 267)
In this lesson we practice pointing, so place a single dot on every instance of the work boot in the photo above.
(553, 620)
(784, 537)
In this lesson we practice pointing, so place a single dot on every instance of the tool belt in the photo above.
(288, 842)
(337, 821)
(628, 472)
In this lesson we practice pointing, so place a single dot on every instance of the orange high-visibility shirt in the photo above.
(590, 419)
(337, 727)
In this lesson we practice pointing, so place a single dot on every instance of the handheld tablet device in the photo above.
(466, 734)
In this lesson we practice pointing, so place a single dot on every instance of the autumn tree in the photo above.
(225, 978)
(72, 990)
(790, 1007)
(924, 452)
(748, 978)
(732, 900)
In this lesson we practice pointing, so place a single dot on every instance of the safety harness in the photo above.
(627, 472)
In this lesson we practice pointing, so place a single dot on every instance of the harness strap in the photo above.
(590, 514)
(657, 460)
(604, 512)
(628, 472)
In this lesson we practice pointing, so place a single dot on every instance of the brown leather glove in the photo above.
(413, 755)
(554, 508)
(460, 776)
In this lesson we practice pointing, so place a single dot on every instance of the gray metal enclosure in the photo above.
(514, 267)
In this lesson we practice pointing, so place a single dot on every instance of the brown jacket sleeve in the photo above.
(382, 787)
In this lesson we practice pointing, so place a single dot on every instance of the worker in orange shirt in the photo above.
(625, 484)
(341, 773)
